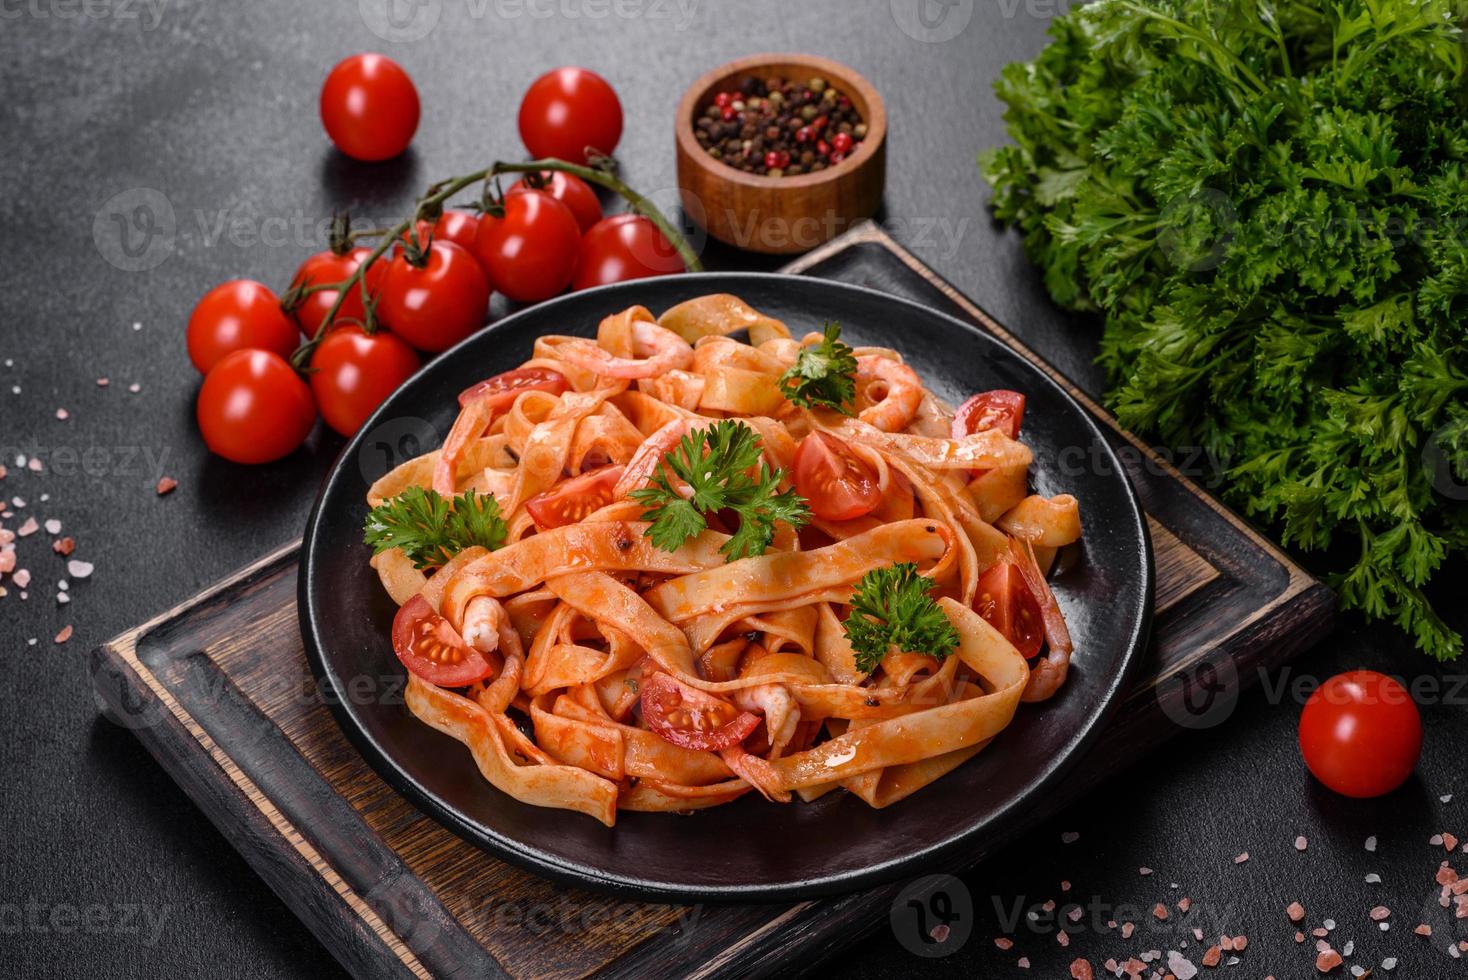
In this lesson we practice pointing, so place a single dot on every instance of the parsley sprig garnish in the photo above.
(891, 607)
(430, 530)
(823, 374)
(716, 463)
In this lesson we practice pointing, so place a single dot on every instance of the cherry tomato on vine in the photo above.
(1360, 734)
(530, 252)
(458, 227)
(692, 718)
(369, 107)
(438, 305)
(353, 371)
(328, 267)
(236, 315)
(429, 647)
(501, 390)
(1006, 603)
(253, 407)
(567, 110)
(838, 484)
(623, 247)
(570, 502)
(571, 191)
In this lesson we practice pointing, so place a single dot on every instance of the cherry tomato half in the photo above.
(573, 500)
(353, 371)
(236, 315)
(571, 191)
(253, 407)
(1008, 605)
(998, 409)
(328, 267)
(369, 107)
(1360, 734)
(622, 247)
(839, 484)
(432, 649)
(502, 389)
(568, 110)
(435, 307)
(530, 253)
(692, 718)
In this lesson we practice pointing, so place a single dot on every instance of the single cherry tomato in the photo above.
(458, 227)
(839, 484)
(322, 269)
(1360, 734)
(502, 389)
(369, 107)
(1006, 603)
(999, 409)
(570, 502)
(236, 315)
(353, 371)
(571, 191)
(432, 649)
(435, 307)
(623, 247)
(253, 407)
(691, 718)
(530, 253)
(567, 111)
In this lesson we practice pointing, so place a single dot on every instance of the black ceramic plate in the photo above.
(750, 849)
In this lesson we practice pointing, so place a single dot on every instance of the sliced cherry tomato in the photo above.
(236, 315)
(998, 409)
(573, 500)
(458, 227)
(322, 269)
(1361, 734)
(254, 408)
(622, 247)
(438, 305)
(567, 111)
(571, 191)
(432, 649)
(530, 253)
(691, 718)
(369, 107)
(353, 371)
(838, 483)
(1007, 604)
(502, 389)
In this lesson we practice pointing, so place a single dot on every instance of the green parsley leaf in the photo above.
(715, 463)
(891, 608)
(823, 374)
(430, 530)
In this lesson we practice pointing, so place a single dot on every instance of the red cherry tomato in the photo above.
(622, 247)
(999, 409)
(1008, 605)
(1360, 734)
(838, 484)
(435, 307)
(574, 499)
(567, 110)
(502, 389)
(236, 315)
(458, 227)
(571, 191)
(353, 371)
(253, 407)
(432, 649)
(369, 107)
(328, 267)
(530, 252)
(692, 718)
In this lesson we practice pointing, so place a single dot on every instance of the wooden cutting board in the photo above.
(219, 691)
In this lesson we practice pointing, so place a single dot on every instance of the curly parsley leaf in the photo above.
(823, 374)
(715, 463)
(430, 530)
(891, 608)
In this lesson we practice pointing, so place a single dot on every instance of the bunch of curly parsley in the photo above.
(1268, 203)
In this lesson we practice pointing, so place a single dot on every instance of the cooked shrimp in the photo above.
(895, 390)
(644, 463)
(484, 619)
(658, 350)
(779, 708)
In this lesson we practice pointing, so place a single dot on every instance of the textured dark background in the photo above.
(207, 111)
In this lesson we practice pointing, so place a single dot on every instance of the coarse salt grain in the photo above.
(63, 414)
(35, 466)
(1023, 963)
(1144, 871)
(1069, 837)
(1242, 858)
(1296, 912)
(79, 569)
(1180, 966)
(62, 598)
(166, 485)
(1160, 912)
(1371, 844)
(137, 326)
(1329, 924)
(28, 528)
(22, 577)
(1004, 943)
(103, 382)
(1127, 928)
(1301, 843)
(1436, 840)
(134, 387)
(52, 526)
(65, 634)
(1328, 960)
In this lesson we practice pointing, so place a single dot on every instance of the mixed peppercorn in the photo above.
(777, 127)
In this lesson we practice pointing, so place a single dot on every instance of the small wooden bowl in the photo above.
(781, 215)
